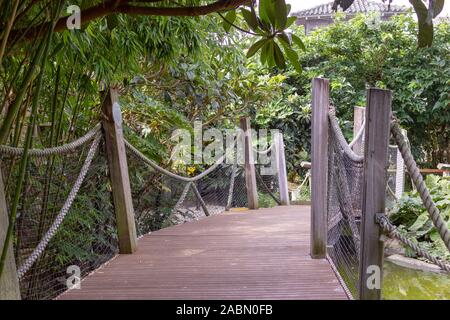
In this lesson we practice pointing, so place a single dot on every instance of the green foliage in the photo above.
(265, 200)
(410, 215)
(270, 23)
(357, 54)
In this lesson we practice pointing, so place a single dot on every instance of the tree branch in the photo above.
(125, 7)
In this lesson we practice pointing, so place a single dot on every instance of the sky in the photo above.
(306, 4)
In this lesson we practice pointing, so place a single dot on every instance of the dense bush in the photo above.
(361, 53)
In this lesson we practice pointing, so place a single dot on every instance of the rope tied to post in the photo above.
(383, 221)
(418, 181)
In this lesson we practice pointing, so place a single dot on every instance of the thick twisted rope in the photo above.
(334, 125)
(358, 135)
(152, 164)
(59, 150)
(266, 151)
(417, 179)
(63, 212)
(392, 232)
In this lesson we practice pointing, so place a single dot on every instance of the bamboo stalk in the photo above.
(9, 25)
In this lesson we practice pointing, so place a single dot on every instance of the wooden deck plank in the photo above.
(260, 254)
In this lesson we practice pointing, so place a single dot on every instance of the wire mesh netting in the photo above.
(345, 174)
(267, 186)
(87, 236)
(345, 185)
(161, 200)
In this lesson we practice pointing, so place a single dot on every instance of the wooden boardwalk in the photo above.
(258, 254)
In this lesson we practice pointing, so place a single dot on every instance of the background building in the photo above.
(322, 15)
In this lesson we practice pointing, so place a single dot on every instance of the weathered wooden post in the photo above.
(377, 132)
(118, 171)
(9, 282)
(249, 164)
(319, 166)
(281, 169)
(358, 120)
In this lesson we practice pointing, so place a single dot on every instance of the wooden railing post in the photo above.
(377, 132)
(118, 171)
(249, 163)
(319, 166)
(358, 120)
(9, 282)
(281, 169)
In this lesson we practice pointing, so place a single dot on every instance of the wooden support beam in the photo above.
(118, 171)
(358, 121)
(249, 164)
(377, 132)
(281, 170)
(319, 166)
(9, 282)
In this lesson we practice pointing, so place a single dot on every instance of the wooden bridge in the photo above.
(329, 251)
(251, 254)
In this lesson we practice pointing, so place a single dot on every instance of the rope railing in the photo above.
(64, 210)
(343, 192)
(392, 231)
(334, 125)
(49, 215)
(155, 166)
(359, 135)
(418, 181)
(59, 150)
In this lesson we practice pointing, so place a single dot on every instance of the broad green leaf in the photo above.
(284, 37)
(263, 55)
(250, 18)
(280, 14)
(290, 21)
(267, 11)
(420, 222)
(298, 42)
(292, 56)
(270, 60)
(278, 55)
(230, 18)
(255, 47)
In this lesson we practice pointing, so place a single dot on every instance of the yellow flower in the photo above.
(190, 170)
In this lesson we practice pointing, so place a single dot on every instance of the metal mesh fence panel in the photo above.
(87, 235)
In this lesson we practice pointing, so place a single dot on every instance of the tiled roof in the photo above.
(358, 6)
